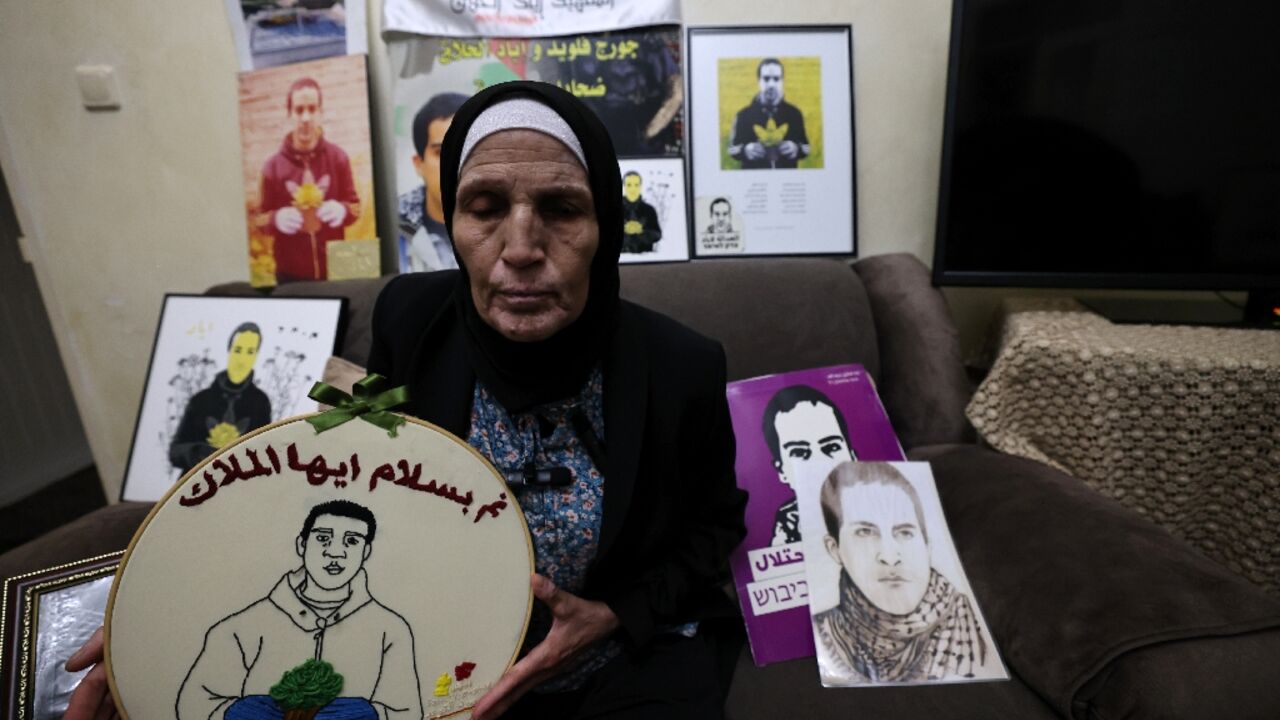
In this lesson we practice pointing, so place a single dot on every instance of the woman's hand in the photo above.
(92, 697)
(575, 625)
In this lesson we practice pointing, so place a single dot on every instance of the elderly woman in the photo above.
(528, 353)
(609, 420)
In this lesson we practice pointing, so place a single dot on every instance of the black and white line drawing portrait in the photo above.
(321, 610)
(807, 436)
(641, 230)
(769, 132)
(898, 618)
(721, 216)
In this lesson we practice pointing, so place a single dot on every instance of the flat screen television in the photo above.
(1112, 144)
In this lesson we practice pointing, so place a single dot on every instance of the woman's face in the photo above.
(525, 228)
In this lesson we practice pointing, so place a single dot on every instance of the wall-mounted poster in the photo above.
(308, 173)
(220, 368)
(269, 33)
(523, 18)
(771, 140)
(366, 571)
(630, 78)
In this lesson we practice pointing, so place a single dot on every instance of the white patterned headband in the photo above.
(520, 114)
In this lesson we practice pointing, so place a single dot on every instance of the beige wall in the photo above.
(120, 207)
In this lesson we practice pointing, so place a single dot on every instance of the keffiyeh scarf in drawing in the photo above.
(939, 639)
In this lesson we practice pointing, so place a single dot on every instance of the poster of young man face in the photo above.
(790, 427)
(307, 172)
(890, 602)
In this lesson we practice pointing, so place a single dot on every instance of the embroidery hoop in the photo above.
(482, 619)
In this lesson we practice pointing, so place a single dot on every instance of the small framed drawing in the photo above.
(45, 617)
(771, 140)
(221, 367)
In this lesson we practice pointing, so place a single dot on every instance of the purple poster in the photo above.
(790, 427)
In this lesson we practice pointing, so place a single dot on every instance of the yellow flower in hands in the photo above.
(222, 434)
(771, 134)
(632, 227)
(308, 195)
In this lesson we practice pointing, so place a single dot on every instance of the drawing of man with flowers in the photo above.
(231, 406)
(307, 195)
(769, 133)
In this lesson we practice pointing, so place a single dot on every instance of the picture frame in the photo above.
(45, 616)
(210, 381)
(771, 140)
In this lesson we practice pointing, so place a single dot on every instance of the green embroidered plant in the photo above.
(311, 684)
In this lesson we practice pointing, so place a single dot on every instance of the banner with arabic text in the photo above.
(630, 78)
(523, 18)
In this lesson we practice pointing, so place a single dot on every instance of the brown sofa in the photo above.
(1097, 612)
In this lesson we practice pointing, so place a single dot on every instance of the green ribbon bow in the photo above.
(371, 403)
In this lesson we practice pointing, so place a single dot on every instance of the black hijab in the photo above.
(525, 374)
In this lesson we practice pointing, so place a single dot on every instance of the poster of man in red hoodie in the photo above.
(308, 184)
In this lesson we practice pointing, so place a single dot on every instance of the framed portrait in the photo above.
(308, 172)
(45, 617)
(220, 368)
(631, 79)
(771, 140)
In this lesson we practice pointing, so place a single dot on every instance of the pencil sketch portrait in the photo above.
(898, 619)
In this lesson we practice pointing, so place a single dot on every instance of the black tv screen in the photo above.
(1112, 143)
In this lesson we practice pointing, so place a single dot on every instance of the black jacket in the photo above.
(672, 509)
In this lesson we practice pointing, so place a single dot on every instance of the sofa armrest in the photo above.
(102, 531)
(1093, 605)
(922, 380)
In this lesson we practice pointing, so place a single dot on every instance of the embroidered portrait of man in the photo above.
(323, 611)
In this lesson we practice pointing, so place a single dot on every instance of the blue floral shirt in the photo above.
(564, 521)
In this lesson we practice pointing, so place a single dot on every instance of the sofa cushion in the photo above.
(1209, 677)
(100, 532)
(1086, 599)
(772, 316)
(791, 690)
